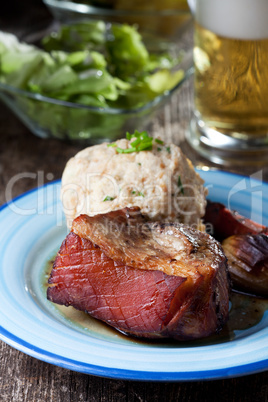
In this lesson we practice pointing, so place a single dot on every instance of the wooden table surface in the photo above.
(24, 378)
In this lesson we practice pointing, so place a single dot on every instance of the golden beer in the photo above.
(231, 83)
(230, 121)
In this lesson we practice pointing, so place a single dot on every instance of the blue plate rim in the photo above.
(123, 374)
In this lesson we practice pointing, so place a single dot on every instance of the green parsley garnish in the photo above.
(168, 149)
(108, 198)
(125, 151)
(139, 193)
(142, 142)
(180, 185)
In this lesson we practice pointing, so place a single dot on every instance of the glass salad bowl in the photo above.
(162, 24)
(63, 108)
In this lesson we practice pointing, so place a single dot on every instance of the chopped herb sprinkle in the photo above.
(138, 193)
(168, 149)
(108, 198)
(180, 185)
(141, 142)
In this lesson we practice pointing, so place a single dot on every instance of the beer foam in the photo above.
(238, 19)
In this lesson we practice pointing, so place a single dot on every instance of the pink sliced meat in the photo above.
(145, 279)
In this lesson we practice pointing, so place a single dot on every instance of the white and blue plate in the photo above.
(32, 229)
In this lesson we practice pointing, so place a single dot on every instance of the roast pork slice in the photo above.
(145, 279)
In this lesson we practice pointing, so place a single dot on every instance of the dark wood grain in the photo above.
(24, 378)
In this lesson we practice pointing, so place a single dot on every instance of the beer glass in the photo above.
(230, 122)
